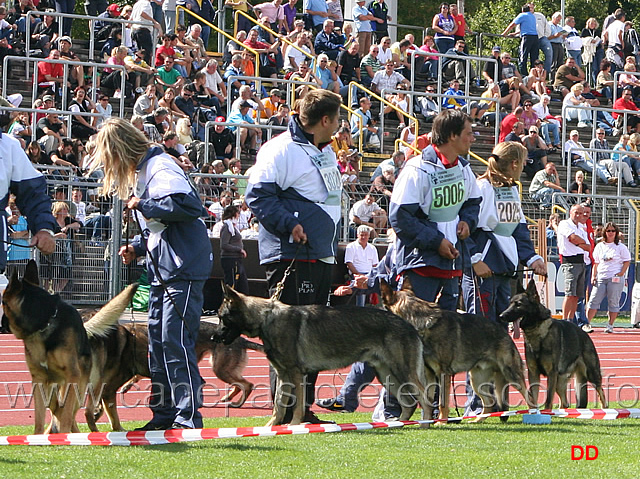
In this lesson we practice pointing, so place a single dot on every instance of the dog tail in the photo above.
(251, 345)
(107, 318)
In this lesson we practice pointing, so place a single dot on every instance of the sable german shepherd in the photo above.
(455, 342)
(555, 349)
(299, 340)
(58, 346)
(122, 357)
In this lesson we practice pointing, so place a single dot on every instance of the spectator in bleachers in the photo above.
(388, 79)
(445, 27)
(550, 127)
(81, 126)
(248, 136)
(281, 118)
(327, 41)
(401, 101)
(241, 5)
(304, 74)
(147, 102)
(167, 76)
(213, 82)
(193, 109)
(267, 54)
(362, 117)
(144, 35)
(490, 110)
(348, 173)
(579, 187)
(318, 11)
(327, 76)
(517, 133)
(536, 152)
(290, 12)
(234, 69)
(573, 41)
(633, 157)
(427, 104)
(167, 50)
(270, 105)
(204, 9)
(629, 80)
(368, 212)
(382, 185)
(537, 79)
(223, 140)
(293, 57)
(20, 128)
(508, 122)
(575, 98)
(568, 75)
(157, 127)
(233, 47)
(59, 156)
(217, 208)
(605, 81)
(400, 56)
(397, 161)
(77, 72)
(183, 129)
(452, 99)
(236, 185)
(456, 68)
(582, 159)
(45, 34)
(140, 73)
(544, 183)
(605, 159)
(529, 44)
(172, 147)
(430, 64)
(18, 233)
(114, 40)
(51, 75)
(552, 234)
(103, 29)
(49, 131)
(36, 155)
(592, 38)
(349, 65)
(556, 38)
(274, 13)
(18, 16)
(625, 102)
(489, 69)
(380, 10)
(613, 36)
(202, 94)
(55, 270)
(246, 94)
(194, 37)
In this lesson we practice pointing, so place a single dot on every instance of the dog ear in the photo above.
(532, 291)
(386, 292)
(406, 284)
(14, 284)
(519, 288)
(229, 293)
(31, 273)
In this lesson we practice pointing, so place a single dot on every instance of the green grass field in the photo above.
(490, 449)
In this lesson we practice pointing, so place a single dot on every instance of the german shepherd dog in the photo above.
(58, 346)
(299, 340)
(121, 358)
(555, 349)
(455, 342)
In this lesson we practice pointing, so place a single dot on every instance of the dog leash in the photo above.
(280, 284)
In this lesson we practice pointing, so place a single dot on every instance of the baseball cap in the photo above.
(276, 92)
(48, 98)
(244, 104)
(65, 38)
(220, 119)
(496, 48)
(115, 9)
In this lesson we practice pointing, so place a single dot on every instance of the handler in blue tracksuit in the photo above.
(295, 191)
(179, 258)
(500, 242)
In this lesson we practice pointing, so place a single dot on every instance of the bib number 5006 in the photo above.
(448, 195)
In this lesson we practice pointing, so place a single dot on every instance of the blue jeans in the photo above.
(66, 6)
(587, 165)
(528, 50)
(360, 376)
(547, 130)
(545, 45)
(544, 195)
(577, 56)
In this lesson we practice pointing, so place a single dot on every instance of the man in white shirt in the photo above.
(613, 36)
(369, 213)
(361, 257)
(573, 242)
(213, 81)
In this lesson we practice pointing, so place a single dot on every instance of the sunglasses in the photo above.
(611, 231)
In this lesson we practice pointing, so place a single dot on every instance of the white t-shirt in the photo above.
(565, 229)
(613, 32)
(363, 259)
(297, 56)
(212, 80)
(609, 258)
(363, 211)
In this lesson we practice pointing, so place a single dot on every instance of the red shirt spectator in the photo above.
(623, 103)
(507, 124)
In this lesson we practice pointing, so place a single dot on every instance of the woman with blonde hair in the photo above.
(183, 129)
(179, 261)
(500, 242)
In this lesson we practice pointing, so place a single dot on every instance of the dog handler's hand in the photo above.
(127, 253)
(133, 202)
(44, 241)
(447, 250)
(299, 236)
(482, 269)
(539, 267)
(463, 230)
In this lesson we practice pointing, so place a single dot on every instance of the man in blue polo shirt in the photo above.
(318, 11)
(529, 45)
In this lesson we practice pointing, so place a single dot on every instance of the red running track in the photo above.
(619, 357)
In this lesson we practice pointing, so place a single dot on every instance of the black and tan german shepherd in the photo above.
(555, 349)
(58, 346)
(121, 360)
(299, 340)
(455, 342)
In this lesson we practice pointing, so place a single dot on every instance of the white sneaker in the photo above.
(139, 90)
(583, 124)
(587, 328)
(117, 94)
(608, 329)
(616, 132)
